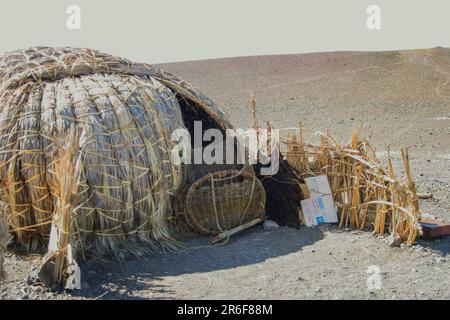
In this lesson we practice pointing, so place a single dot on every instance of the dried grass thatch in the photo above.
(126, 111)
(367, 195)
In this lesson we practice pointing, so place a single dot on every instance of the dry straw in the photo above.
(64, 186)
(3, 243)
(126, 111)
(367, 195)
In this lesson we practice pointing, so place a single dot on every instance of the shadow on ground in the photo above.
(438, 245)
(254, 246)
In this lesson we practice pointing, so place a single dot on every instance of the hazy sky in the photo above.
(173, 30)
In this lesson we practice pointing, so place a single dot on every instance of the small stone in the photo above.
(440, 260)
(38, 289)
(270, 225)
(395, 240)
(33, 278)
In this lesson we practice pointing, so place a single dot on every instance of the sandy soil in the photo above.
(402, 98)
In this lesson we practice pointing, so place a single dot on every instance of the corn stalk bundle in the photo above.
(126, 112)
(367, 195)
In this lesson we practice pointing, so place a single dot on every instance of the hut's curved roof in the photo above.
(50, 64)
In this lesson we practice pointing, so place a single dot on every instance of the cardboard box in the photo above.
(320, 207)
(313, 211)
(318, 185)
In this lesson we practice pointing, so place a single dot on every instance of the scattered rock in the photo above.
(123, 292)
(33, 278)
(38, 289)
(395, 240)
(50, 295)
(270, 225)
(440, 260)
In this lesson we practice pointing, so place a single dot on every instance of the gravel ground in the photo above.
(402, 98)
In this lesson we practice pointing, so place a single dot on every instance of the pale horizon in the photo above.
(165, 31)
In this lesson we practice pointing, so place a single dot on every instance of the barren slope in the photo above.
(404, 96)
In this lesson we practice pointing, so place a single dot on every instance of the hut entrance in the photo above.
(191, 114)
(282, 190)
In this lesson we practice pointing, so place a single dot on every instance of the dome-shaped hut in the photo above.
(126, 112)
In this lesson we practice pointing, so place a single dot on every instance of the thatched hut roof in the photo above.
(40, 64)
(127, 111)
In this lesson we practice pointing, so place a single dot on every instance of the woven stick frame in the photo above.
(224, 200)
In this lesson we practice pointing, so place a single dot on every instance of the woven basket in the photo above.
(224, 200)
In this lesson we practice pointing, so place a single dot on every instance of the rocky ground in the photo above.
(401, 98)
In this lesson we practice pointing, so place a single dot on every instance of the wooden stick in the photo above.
(411, 184)
(255, 118)
(424, 196)
(224, 235)
(392, 190)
